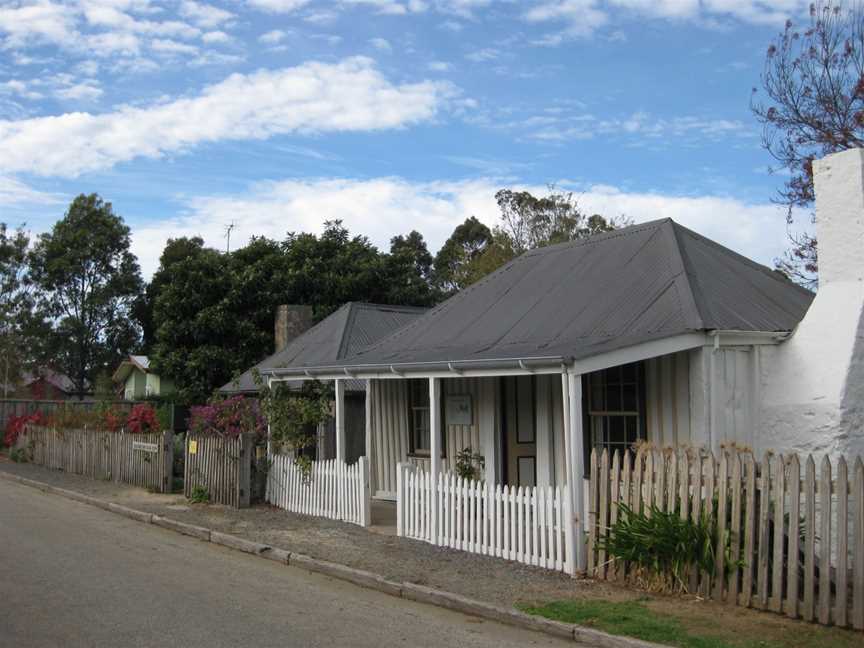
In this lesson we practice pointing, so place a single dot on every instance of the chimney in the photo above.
(292, 320)
(812, 391)
(839, 183)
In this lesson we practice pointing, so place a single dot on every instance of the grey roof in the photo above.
(349, 329)
(613, 290)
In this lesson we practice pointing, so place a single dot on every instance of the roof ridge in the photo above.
(349, 323)
(684, 275)
(599, 236)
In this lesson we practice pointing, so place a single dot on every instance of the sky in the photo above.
(391, 115)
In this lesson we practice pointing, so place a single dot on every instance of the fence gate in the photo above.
(220, 467)
(330, 489)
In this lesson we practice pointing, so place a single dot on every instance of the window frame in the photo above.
(590, 414)
(413, 450)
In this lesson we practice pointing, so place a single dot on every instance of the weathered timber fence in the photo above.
(221, 466)
(331, 489)
(797, 533)
(527, 525)
(144, 460)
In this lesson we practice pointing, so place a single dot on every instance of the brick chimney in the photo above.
(292, 320)
(813, 383)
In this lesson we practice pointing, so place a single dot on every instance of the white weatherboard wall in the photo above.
(813, 384)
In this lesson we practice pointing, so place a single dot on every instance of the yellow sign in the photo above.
(193, 446)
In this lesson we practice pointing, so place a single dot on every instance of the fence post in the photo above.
(400, 499)
(364, 492)
(167, 461)
(244, 470)
(569, 535)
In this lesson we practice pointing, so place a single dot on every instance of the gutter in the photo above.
(455, 367)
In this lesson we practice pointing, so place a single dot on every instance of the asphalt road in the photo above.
(74, 575)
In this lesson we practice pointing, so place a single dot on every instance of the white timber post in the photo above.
(575, 466)
(369, 426)
(340, 419)
(434, 454)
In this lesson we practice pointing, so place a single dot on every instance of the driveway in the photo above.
(74, 575)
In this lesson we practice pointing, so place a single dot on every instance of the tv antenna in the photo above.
(228, 229)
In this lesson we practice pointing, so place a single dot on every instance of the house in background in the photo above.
(134, 380)
(43, 384)
(352, 327)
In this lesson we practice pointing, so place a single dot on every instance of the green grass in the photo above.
(632, 619)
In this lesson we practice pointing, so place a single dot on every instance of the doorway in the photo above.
(520, 430)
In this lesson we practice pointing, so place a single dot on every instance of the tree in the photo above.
(89, 281)
(452, 263)
(16, 306)
(408, 271)
(814, 87)
(530, 222)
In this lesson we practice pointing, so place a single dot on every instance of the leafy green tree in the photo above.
(17, 318)
(531, 222)
(466, 244)
(89, 281)
(408, 270)
(194, 333)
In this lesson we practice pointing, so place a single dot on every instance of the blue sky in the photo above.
(390, 114)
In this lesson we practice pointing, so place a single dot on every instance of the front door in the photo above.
(520, 430)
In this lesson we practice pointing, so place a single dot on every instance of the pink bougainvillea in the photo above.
(228, 417)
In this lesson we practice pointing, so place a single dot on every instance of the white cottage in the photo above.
(649, 332)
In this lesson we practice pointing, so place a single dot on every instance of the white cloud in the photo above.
(170, 47)
(272, 37)
(217, 36)
(314, 97)
(583, 17)
(278, 6)
(204, 15)
(87, 90)
(37, 23)
(384, 207)
(483, 55)
(15, 192)
(439, 66)
(381, 44)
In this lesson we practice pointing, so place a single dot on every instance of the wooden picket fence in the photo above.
(526, 525)
(221, 466)
(331, 489)
(144, 460)
(799, 542)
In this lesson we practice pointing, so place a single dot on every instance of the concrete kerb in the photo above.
(410, 591)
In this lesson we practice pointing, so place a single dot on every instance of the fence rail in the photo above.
(219, 466)
(331, 489)
(144, 460)
(526, 525)
(790, 539)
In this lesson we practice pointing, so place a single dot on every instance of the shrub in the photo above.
(662, 547)
(142, 419)
(199, 495)
(15, 426)
(228, 417)
(469, 464)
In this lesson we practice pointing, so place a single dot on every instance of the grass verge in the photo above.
(636, 619)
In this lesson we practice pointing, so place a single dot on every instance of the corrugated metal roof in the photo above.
(612, 290)
(352, 327)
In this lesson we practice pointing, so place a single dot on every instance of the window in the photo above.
(418, 416)
(615, 406)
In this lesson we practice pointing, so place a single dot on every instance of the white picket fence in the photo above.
(526, 525)
(331, 489)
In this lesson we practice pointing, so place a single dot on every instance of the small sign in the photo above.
(193, 446)
(145, 447)
(458, 410)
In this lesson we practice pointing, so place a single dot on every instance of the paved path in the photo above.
(74, 575)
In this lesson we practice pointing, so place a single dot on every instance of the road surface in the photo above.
(74, 575)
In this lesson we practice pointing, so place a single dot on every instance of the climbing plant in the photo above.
(294, 415)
